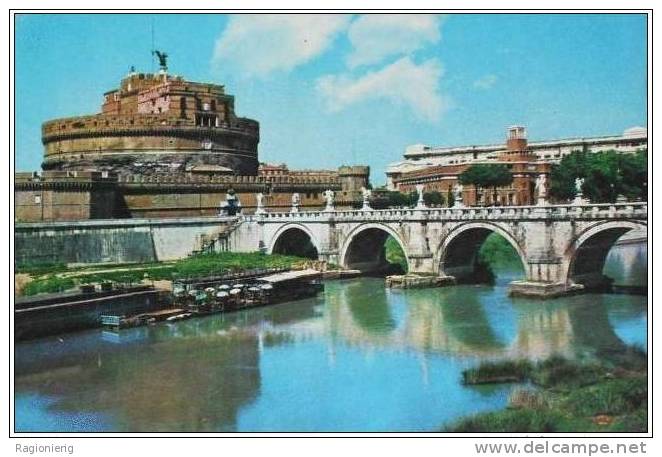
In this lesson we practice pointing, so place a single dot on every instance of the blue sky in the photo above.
(332, 90)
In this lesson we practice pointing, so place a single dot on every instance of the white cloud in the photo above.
(486, 82)
(402, 82)
(374, 37)
(260, 44)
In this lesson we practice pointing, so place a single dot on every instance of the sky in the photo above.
(330, 90)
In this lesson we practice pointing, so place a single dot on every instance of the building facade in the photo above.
(419, 157)
(423, 159)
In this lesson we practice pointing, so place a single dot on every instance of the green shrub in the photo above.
(509, 421)
(40, 268)
(613, 397)
(495, 372)
(563, 373)
(48, 284)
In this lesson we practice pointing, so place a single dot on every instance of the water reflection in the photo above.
(358, 358)
(627, 264)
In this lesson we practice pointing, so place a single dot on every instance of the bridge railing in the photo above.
(627, 210)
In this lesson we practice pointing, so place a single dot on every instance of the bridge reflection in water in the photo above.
(358, 358)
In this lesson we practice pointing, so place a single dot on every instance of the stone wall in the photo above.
(113, 241)
(64, 196)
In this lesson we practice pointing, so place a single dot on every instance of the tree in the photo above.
(433, 198)
(392, 199)
(395, 199)
(486, 175)
(606, 175)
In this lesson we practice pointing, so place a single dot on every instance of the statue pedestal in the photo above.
(579, 199)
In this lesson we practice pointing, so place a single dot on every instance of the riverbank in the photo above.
(608, 394)
(51, 278)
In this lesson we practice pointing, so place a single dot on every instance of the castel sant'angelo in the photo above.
(165, 147)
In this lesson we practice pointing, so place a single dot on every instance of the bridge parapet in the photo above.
(626, 210)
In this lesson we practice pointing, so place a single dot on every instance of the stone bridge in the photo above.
(560, 246)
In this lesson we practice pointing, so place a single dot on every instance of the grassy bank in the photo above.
(59, 277)
(605, 395)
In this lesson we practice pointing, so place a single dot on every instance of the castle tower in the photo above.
(155, 123)
(354, 178)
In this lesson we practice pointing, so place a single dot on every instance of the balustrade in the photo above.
(569, 211)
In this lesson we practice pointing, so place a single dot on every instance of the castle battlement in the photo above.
(189, 179)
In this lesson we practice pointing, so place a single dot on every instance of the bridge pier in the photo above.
(422, 264)
(421, 258)
(541, 289)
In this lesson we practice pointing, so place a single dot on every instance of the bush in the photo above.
(509, 421)
(40, 268)
(496, 372)
(613, 397)
(562, 373)
(50, 284)
(572, 396)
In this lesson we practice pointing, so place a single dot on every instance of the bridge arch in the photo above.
(458, 251)
(294, 239)
(586, 254)
(363, 247)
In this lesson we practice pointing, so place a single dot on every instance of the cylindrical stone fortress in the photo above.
(155, 123)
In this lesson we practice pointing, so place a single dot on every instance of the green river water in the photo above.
(358, 357)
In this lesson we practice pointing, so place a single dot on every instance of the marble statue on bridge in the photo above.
(579, 195)
(231, 206)
(457, 195)
(367, 193)
(296, 201)
(328, 196)
(259, 198)
(421, 202)
(541, 187)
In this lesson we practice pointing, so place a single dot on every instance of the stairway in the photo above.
(217, 241)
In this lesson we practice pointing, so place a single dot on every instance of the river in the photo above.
(358, 357)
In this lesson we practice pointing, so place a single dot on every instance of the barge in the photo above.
(241, 293)
(191, 298)
(48, 314)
